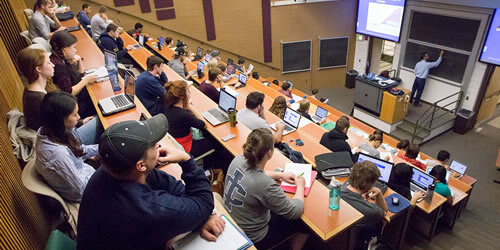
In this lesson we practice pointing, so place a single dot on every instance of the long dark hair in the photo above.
(60, 40)
(401, 175)
(56, 106)
(439, 172)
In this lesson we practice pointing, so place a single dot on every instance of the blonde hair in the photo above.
(279, 107)
(304, 106)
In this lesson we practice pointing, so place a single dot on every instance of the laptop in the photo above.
(320, 114)
(242, 78)
(218, 115)
(121, 102)
(291, 119)
(231, 67)
(208, 57)
(161, 40)
(385, 168)
(420, 181)
(458, 168)
(73, 28)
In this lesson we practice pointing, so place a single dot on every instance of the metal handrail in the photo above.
(423, 121)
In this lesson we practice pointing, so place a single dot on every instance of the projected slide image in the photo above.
(384, 18)
(491, 49)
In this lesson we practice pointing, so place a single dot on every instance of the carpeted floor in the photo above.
(479, 225)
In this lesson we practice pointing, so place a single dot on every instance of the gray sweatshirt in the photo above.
(250, 197)
(370, 149)
(98, 26)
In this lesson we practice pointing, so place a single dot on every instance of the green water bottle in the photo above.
(334, 187)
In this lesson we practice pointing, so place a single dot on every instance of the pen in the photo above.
(301, 174)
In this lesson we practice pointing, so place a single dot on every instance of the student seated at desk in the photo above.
(439, 172)
(276, 82)
(254, 115)
(35, 65)
(255, 75)
(304, 106)
(241, 65)
(255, 199)
(111, 40)
(399, 181)
(286, 89)
(357, 192)
(225, 76)
(215, 57)
(411, 156)
(336, 139)
(178, 64)
(99, 22)
(149, 86)
(207, 87)
(182, 117)
(279, 107)
(137, 31)
(374, 142)
(168, 42)
(402, 147)
(59, 154)
(83, 17)
(69, 69)
(442, 159)
(43, 20)
(129, 204)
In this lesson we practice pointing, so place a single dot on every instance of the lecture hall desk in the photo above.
(311, 134)
(95, 58)
(326, 224)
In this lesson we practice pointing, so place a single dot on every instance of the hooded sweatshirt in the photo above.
(336, 141)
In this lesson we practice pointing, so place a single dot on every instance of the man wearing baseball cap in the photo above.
(178, 63)
(128, 204)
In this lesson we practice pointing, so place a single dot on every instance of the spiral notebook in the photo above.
(230, 239)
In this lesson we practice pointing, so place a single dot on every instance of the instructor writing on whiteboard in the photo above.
(421, 72)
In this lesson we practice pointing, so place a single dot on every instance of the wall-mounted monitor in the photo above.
(380, 18)
(491, 48)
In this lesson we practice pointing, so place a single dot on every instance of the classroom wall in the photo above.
(238, 26)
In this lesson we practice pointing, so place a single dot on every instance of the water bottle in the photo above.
(430, 193)
(334, 188)
(113, 79)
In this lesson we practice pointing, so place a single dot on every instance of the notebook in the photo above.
(298, 169)
(293, 189)
(230, 239)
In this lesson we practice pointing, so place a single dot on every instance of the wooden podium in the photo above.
(395, 108)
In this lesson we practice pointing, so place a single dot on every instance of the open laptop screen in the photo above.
(385, 167)
(421, 179)
(199, 52)
(110, 58)
(243, 78)
(201, 66)
(226, 100)
(458, 167)
(231, 68)
(141, 40)
(292, 117)
(321, 112)
(162, 41)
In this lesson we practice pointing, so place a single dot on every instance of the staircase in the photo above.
(430, 120)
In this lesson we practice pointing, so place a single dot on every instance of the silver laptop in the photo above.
(291, 119)
(320, 114)
(458, 168)
(218, 115)
(420, 181)
(121, 102)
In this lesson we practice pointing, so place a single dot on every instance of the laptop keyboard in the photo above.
(218, 115)
(288, 128)
(414, 187)
(120, 101)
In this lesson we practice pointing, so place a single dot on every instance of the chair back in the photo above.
(43, 42)
(26, 36)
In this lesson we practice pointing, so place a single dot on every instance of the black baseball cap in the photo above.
(179, 51)
(123, 144)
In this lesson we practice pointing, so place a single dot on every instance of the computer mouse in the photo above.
(395, 201)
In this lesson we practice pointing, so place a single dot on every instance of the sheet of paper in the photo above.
(384, 155)
(304, 121)
(229, 239)
(101, 72)
(295, 105)
(298, 169)
(250, 68)
(230, 90)
(296, 98)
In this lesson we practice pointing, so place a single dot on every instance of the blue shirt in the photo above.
(149, 89)
(422, 67)
(62, 170)
(83, 18)
(122, 214)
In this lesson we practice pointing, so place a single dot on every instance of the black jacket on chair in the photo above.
(336, 141)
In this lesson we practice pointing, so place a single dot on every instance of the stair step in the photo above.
(410, 128)
(403, 134)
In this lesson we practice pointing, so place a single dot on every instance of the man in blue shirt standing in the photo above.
(149, 86)
(83, 17)
(421, 73)
(129, 204)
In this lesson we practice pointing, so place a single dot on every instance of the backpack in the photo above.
(65, 16)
